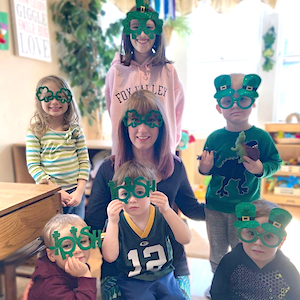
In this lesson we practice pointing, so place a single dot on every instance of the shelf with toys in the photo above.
(284, 186)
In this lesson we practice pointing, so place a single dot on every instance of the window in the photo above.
(288, 74)
(220, 44)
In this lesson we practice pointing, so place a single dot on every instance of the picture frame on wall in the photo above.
(4, 36)
(30, 29)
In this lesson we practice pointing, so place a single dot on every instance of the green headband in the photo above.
(142, 15)
(63, 95)
(152, 119)
(66, 245)
(130, 189)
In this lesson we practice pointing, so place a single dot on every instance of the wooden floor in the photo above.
(197, 253)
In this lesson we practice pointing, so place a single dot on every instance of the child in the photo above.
(56, 150)
(256, 268)
(142, 64)
(63, 272)
(235, 176)
(138, 237)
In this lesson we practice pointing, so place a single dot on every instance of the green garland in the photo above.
(269, 39)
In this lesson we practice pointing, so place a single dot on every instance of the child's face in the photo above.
(142, 44)
(236, 115)
(81, 255)
(257, 251)
(54, 107)
(136, 206)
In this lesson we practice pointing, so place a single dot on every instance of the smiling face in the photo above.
(143, 137)
(257, 251)
(81, 255)
(142, 44)
(54, 108)
(236, 117)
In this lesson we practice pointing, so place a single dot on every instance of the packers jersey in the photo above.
(145, 255)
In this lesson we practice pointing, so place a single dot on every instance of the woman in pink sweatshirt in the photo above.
(144, 66)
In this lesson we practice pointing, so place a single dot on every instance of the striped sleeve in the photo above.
(83, 156)
(33, 157)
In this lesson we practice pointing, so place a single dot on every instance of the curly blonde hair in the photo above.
(39, 122)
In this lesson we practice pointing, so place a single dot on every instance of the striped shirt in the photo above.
(60, 156)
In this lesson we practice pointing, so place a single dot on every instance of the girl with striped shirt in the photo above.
(56, 150)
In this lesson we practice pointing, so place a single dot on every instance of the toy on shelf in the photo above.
(270, 184)
(186, 139)
(287, 137)
(289, 181)
(291, 166)
(287, 186)
(201, 190)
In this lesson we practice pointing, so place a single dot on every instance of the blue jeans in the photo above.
(76, 210)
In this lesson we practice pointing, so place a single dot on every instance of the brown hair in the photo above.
(143, 101)
(263, 207)
(127, 50)
(133, 169)
(59, 222)
(39, 122)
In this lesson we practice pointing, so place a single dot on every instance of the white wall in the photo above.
(18, 79)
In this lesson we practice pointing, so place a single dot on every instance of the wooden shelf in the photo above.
(20, 166)
(285, 127)
(287, 152)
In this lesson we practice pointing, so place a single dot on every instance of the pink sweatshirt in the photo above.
(122, 81)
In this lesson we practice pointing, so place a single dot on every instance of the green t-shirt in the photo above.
(231, 183)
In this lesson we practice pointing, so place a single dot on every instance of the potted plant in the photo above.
(180, 25)
(86, 51)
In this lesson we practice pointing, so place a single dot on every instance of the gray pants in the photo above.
(221, 235)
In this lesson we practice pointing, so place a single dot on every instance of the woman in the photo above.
(144, 136)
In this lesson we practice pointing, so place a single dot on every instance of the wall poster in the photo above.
(30, 25)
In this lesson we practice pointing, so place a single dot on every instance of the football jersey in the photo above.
(145, 255)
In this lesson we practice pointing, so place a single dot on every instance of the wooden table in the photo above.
(24, 210)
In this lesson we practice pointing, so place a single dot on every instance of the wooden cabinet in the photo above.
(19, 159)
(24, 211)
(288, 148)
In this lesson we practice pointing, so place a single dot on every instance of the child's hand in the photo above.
(76, 197)
(65, 198)
(160, 200)
(113, 211)
(207, 161)
(252, 166)
(77, 268)
(26, 291)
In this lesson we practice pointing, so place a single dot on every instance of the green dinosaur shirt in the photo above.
(231, 183)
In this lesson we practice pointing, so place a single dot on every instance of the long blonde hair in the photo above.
(39, 122)
(143, 101)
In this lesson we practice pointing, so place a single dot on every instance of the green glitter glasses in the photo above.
(63, 95)
(242, 102)
(138, 21)
(274, 229)
(152, 119)
(67, 244)
(247, 94)
(250, 235)
(140, 188)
